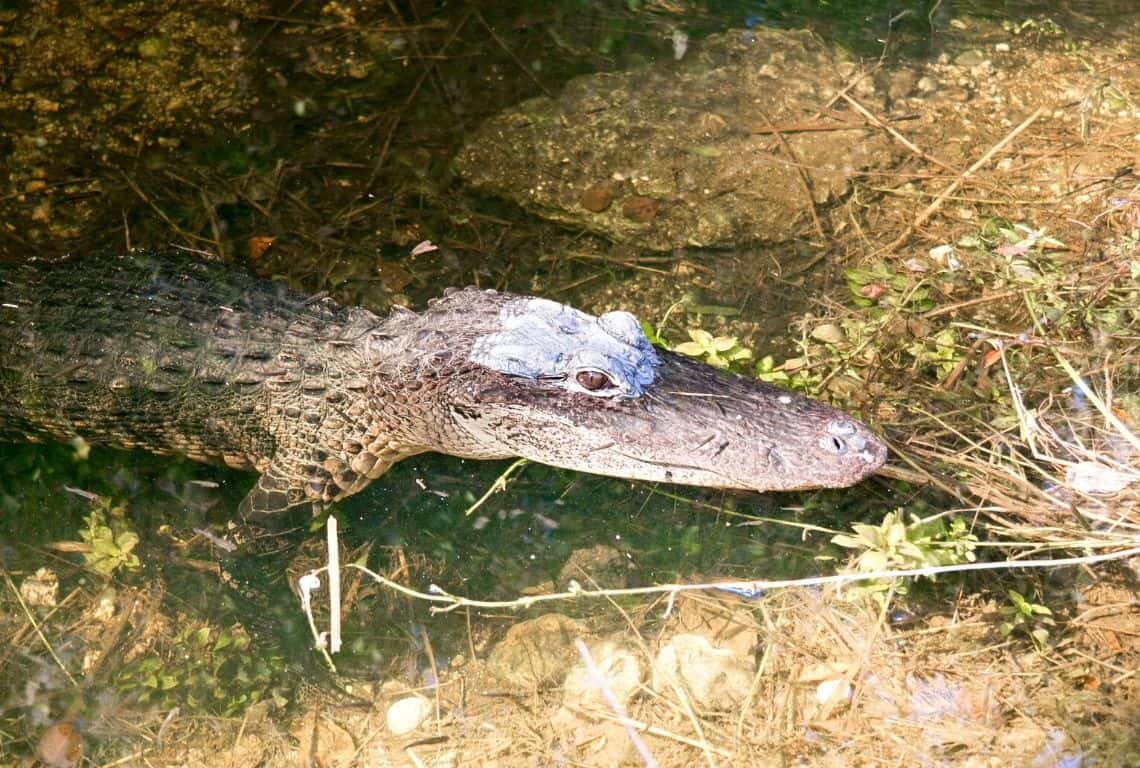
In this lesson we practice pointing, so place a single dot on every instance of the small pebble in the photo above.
(598, 197)
(60, 746)
(970, 58)
(829, 688)
(640, 208)
(407, 714)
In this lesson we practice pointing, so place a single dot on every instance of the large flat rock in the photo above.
(721, 148)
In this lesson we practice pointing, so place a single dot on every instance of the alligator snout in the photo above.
(846, 438)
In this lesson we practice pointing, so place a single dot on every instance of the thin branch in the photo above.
(937, 203)
(747, 588)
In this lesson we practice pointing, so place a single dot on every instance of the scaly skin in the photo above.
(173, 355)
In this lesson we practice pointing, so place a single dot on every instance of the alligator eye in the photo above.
(592, 381)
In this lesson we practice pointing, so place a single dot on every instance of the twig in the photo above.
(162, 214)
(333, 543)
(655, 731)
(500, 484)
(35, 626)
(937, 203)
(748, 588)
(897, 136)
(1120, 427)
(510, 53)
(947, 309)
(695, 721)
(382, 155)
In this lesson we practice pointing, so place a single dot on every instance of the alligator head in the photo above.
(493, 375)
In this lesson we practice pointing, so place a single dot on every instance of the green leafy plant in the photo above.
(1028, 618)
(212, 671)
(717, 351)
(109, 539)
(939, 350)
(1039, 28)
(766, 371)
(895, 544)
(654, 334)
(881, 285)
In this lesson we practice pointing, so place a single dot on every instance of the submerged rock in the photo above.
(715, 679)
(536, 653)
(598, 567)
(616, 670)
(719, 149)
(592, 697)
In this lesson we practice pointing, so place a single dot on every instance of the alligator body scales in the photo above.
(172, 355)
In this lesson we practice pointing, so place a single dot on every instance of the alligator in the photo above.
(185, 356)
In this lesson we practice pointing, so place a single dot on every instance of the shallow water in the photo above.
(307, 153)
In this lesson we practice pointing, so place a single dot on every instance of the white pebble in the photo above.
(828, 688)
(406, 714)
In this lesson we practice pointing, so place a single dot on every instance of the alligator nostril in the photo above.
(833, 444)
(842, 428)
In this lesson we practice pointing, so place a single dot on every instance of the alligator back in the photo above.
(169, 354)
